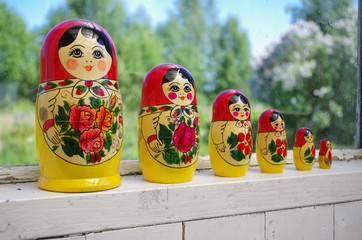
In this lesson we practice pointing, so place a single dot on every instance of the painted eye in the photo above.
(76, 53)
(187, 89)
(246, 109)
(97, 54)
(174, 88)
(237, 109)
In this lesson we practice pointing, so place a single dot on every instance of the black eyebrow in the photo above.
(78, 45)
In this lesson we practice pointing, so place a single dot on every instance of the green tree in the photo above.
(232, 56)
(17, 68)
(311, 76)
(323, 13)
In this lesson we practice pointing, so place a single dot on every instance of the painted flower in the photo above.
(104, 118)
(81, 118)
(196, 121)
(184, 137)
(91, 140)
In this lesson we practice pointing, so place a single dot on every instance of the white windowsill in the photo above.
(28, 212)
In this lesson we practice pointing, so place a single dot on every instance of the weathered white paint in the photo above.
(300, 223)
(248, 226)
(158, 232)
(348, 217)
(33, 213)
(30, 173)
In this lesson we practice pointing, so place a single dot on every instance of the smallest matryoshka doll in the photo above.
(304, 150)
(230, 137)
(325, 154)
(271, 142)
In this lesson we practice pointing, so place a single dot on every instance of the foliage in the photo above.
(301, 75)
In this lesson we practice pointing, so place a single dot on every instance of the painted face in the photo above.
(308, 136)
(278, 124)
(179, 91)
(239, 110)
(85, 58)
(329, 144)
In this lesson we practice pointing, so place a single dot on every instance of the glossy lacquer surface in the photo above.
(304, 149)
(79, 119)
(230, 136)
(169, 133)
(271, 142)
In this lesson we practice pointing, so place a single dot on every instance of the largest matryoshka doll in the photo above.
(271, 142)
(79, 125)
(168, 125)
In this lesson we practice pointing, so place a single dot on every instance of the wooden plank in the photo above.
(300, 223)
(348, 221)
(167, 231)
(249, 226)
(33, 213)
(30, 173)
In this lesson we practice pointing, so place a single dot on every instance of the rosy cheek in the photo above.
(172, 95)
(72, 64)
(102, 65)
(247, 114)
(276, 127)
(235, 114)
(189, 96)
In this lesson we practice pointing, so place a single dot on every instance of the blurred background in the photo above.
(299, 57)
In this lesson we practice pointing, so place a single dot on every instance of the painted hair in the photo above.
(236, 97)
(71, 34)
(171, 74)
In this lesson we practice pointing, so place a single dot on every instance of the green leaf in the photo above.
(232, 140)
(165, 135)
(277, 158)
(309, 159)
(71, 147)
(81, 102)
(66, 106)
(170, 155)
(237, 155)
(307, 152)
(81, 88)
(95, 102)
(75, 134)
(107, 141)
(54, 148)
(272, 147)
(114, 127)
(88, 158)
(116, 111)
(189, 122)
(61, 119)
(171, 126)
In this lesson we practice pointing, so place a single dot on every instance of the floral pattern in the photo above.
(240, 145)
(278, 149)
(180, 136)
(309, 154)
(87, 130)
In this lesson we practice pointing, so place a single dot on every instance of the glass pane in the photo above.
(299, 57)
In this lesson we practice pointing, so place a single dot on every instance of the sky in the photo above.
(264, 20)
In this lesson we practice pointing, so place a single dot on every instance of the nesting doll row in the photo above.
(79, 129)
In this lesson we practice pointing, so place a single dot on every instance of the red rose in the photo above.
(104, 118)
(81, 118)
(184, 137)
(91, 140)
(279, 143)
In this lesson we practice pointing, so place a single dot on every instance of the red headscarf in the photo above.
(50, 66)
(323, 146)
(220, 108)
(152, 93)
(264, 121)
(299, 137)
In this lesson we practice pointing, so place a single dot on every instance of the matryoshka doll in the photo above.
(79, 127)
(304, 150)
(230, 137)
(168, 125)
(271, 142)
(325, 154)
